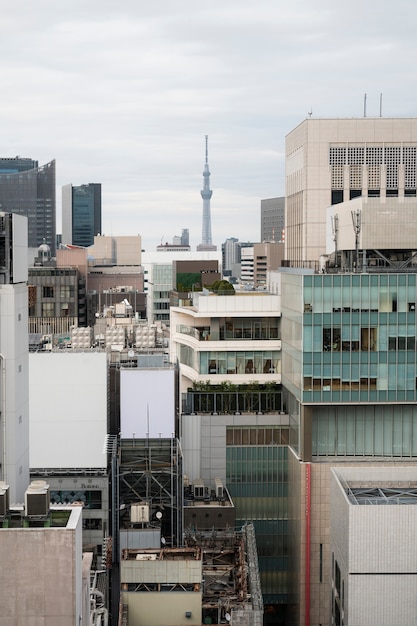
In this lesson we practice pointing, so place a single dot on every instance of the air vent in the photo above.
(4, 499)
(198, 489)
(37, 499)
(139, 513)
(219, 488)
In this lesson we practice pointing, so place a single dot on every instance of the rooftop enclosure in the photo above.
(150, 471)
(372, 521)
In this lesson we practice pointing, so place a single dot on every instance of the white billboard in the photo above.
(67, 409)
(147, 403)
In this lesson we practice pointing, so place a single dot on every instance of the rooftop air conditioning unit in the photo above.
(37, 499)
(198, 489)
(219, 488)
(139, 513)
(4, 499)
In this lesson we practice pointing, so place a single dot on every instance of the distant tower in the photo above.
(206, 194)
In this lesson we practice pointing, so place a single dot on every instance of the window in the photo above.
(331, 339)
(66, 291)
(48, 291)
(48, 309)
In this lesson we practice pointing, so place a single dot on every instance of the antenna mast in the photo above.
(356, 221)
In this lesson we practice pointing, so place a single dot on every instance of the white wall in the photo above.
(147, 403)
(68, 409)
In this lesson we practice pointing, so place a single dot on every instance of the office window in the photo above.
(48, 291)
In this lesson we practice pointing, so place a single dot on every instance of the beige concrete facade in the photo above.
(41, 577)
(349, 157)
(373, 551)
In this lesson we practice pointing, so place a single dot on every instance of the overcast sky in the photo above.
(122, 93)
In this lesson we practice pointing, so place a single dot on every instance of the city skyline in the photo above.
(124, 95)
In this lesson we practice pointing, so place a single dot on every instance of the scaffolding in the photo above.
(150, 472)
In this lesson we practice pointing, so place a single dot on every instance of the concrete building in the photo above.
(81, 214)
(212, 580)
(233, 424)
(68, 432)
(227, 338)
(29, 190)
(373, 568)
(334, 160)
(247, 263)
(42, 578)
(273, 219)
(14, 389)
(266, 257)
(159, 280)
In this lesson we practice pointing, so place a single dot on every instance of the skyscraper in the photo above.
(348, 344)
(81, 214)
(206, 193)
(272, 219)
(329, 161)
(29, 190)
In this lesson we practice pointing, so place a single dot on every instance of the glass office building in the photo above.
(81, 214)
(349, 362)
(29, 190)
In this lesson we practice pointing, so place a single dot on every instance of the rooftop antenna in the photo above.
(364, 105)
(356, 221)
(380, 105)
(310, 113)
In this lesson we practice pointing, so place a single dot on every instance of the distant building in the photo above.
(81, 214)
(231, 257)
(266, 257)
(29, 189)
(273, 219)
(247, 265)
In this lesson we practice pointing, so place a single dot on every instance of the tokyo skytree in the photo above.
(206, 193)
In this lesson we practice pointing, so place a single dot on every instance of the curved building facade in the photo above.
(29, 189)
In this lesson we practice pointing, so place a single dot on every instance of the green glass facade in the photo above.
(257, 479)
(349, 342)
(359, 338)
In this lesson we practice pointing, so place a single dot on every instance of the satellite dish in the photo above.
(227, 616)
(130, 354)
(163, 541)
(159, 515)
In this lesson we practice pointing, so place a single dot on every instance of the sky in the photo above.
(123, 93)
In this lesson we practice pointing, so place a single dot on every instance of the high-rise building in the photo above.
(81, 214)
(206, 193)
(231, 257)
(29, 189)
(14, 385)
(331, 161)
(349, 369)
(272, 219)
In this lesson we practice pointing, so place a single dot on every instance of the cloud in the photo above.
(123, 94)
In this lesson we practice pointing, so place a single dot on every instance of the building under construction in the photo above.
(215, 579)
